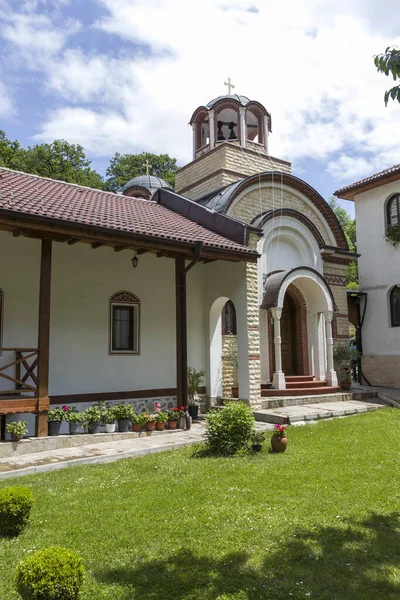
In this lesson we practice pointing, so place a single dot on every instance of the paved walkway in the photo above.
(388, 395)
(312, 412)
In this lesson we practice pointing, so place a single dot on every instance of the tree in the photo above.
(124, 167)
(63, 161)
(12, 155)
(349, 228)
(389, 64)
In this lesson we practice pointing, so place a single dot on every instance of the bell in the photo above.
(221, 136)
(232, 135)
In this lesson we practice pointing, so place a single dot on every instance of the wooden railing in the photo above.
(24, 371)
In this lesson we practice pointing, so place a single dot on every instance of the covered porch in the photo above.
(296, 341)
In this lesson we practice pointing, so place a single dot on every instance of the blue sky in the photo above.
(126, 75)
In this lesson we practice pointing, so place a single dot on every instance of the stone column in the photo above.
(212, 129)
(243, 132)
(266, 134)
(278, 380)
(194, 128)
(331, 376)
(319, 352)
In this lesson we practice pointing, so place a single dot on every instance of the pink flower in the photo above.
(65, 408)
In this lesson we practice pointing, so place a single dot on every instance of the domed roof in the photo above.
(150, 182)
(243, 100)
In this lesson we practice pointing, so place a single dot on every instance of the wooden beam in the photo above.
(97, 245)
(72, 242)
(44, 335)
(181, 336)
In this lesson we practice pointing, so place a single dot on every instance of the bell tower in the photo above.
(230, 142)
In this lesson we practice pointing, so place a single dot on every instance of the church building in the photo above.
(240, 272)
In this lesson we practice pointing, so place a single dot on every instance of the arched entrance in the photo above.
(289, 337)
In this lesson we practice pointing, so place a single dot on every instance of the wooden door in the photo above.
(288, 337)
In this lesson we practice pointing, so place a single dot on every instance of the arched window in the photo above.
(395, 306)
(393, 210)
(229, 319)
(124, 323)
(227, 125)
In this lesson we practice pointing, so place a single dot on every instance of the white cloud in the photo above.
(7, 108)
(308, 61)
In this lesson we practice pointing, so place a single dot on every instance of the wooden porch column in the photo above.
(181, 336)
(44, 338)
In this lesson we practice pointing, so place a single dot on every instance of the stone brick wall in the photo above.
(273, 198)
(382, 370)
(253, 324)
(222, 166)
(229, 370)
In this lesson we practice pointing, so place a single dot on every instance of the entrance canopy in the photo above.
(316, 291)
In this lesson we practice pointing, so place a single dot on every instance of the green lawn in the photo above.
(320, 521)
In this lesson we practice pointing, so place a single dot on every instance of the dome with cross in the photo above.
(144, 186)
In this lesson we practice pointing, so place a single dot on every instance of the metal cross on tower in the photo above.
(230, 86)
(147, 164)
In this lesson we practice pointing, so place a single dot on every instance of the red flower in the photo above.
(182, 408)
(175, 408)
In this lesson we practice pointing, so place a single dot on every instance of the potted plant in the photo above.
(342, 360)
(17, 429)
(74, 419)
(93, 417)
(138, 421)
(182, 417)
(279, 440)
(173, 417)
(231, 358)
(194, 379)
(257, 439)
(124, 413)
(108, 418)
(55, 417)
(149, 420)
(161, 418)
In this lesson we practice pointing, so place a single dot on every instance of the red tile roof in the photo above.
(347, 191)
(28, 194)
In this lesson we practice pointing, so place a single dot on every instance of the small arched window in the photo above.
(124, 323)
(229, 319)
(395, 306)
(393, 210)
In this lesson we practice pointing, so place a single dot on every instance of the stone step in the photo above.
(309, 391)
(312, 412)
(299, 378)
(307, 399)
(290, 385)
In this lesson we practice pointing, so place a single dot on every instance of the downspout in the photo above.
(360, 319)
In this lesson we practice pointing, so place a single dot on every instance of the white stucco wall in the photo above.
(379, 270)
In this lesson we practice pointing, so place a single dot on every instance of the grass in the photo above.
(321, 521)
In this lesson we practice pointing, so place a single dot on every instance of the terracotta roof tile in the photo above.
(372, 178)
(39, 196)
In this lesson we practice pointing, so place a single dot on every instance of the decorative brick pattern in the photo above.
(335, 279)
(253, 324)
(229, 371)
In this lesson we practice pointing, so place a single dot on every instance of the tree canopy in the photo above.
(67, 162)
(389, 63)
(349, 228)
(124, 167)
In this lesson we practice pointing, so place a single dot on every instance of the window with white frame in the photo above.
(393, 210)
(124, 323)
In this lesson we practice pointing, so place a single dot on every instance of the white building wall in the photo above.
(379, 270)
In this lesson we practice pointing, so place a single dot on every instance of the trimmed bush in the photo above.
(15, 508)
(229, 429)
(53, 573)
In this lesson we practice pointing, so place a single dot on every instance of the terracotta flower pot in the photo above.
(278, 444)
(172, 424)
(136, 427)
(160, 426)
(150, 426)
(345, 385)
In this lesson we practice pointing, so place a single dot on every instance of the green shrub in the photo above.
(53, 573)
(229, 429)
(15, 508)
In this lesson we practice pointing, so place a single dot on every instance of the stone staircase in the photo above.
(299, 385)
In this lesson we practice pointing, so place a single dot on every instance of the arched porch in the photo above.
(296, 339)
